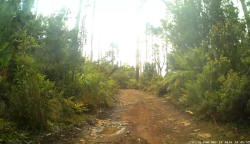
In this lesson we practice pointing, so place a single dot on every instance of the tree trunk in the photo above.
(246, 14)
(137, 63)
(146, 36)
(92, 32)
(78, 18)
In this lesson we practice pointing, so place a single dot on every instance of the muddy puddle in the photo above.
(108, 128)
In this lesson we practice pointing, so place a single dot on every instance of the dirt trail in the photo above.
(143, 118)
(156, 120)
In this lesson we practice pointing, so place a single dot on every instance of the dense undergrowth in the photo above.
(45, 83)
(208, 66)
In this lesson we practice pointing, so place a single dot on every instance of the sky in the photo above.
(121, 22)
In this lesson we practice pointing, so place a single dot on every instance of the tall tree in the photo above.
(137, 61)
(246, 13)
(77, 25)
(92, 31)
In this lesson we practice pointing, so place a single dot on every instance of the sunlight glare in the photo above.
(119, 21)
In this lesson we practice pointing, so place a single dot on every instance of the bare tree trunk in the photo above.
(92, 34)
(82, 35)
(78, 20)
(137, 62)
(159, 63)
(112, 54)
(246, 13)
(79, 15)
(146, 44)
(166, 58)
(36, 2)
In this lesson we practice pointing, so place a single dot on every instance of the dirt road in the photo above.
(140, 118)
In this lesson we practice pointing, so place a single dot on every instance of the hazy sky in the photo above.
(123, 22)
(119, 21)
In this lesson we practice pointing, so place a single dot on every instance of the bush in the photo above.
(202, 94)
(149, 73)
(214, 93)
(125, 77)
(98, 89)
(132, 84)
(9, 134)
(29, 100)
(60, 109)
(163, 89)
(232, 94)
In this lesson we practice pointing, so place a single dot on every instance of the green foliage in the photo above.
(98, 89)
(233, 96)
(80, 108)
(44, 81)
(150, 81)
(125, 77)
(209, 64)
(29, 98)
(149, 73)
(132, 84)
(11, 135)
(202, 94)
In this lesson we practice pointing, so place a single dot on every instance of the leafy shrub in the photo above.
(98, 89)
(125, 77)
(132, 84)
(80, 108)
(154, 85)
(232, 95)
(60, 109)
(9, 134)
(149, 73)
(163, 89)
(214, 93)
(29, 95)
(29, 100)
(202, 94)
